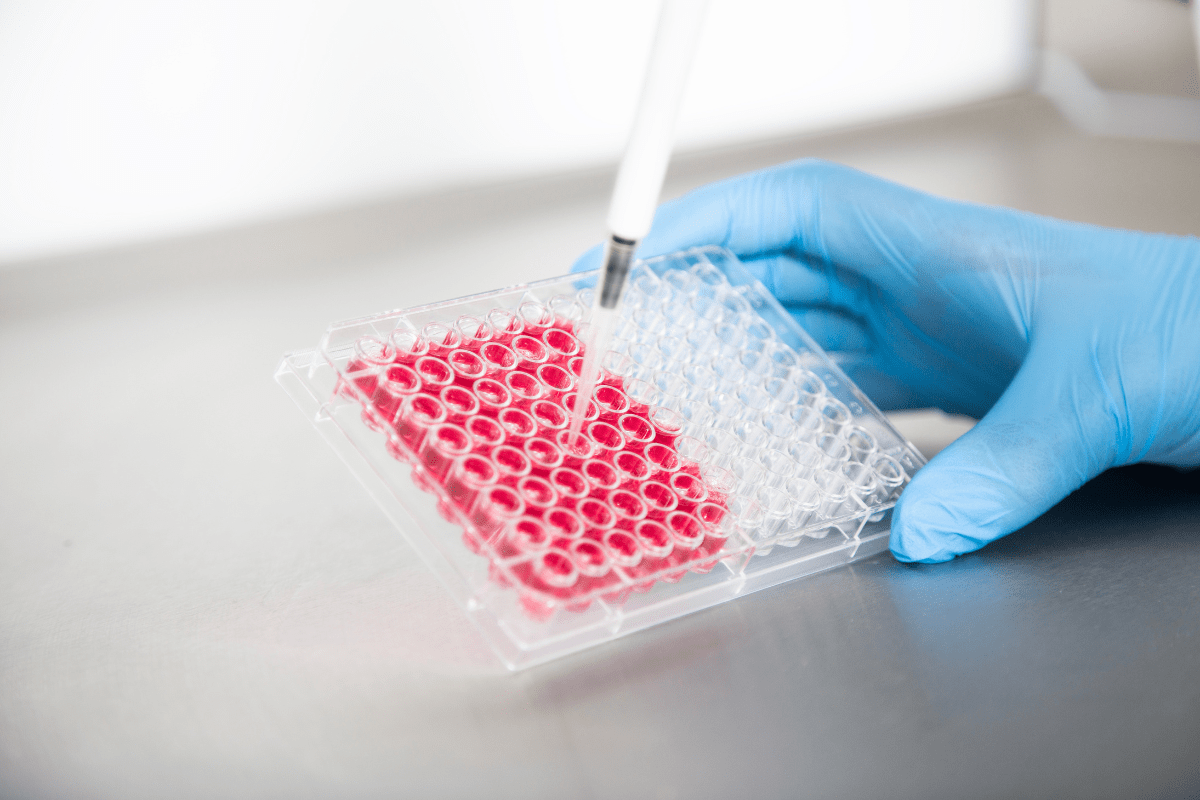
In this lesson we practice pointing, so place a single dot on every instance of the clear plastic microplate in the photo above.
(723, 452)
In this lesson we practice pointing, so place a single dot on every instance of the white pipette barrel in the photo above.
(640, 177)
(644, 165)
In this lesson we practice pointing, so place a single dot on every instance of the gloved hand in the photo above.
(1078, 346)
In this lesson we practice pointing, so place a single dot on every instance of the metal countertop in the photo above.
(198, 600)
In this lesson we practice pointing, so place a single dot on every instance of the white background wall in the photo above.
(122, 121)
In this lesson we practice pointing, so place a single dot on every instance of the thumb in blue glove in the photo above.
(1078, 346)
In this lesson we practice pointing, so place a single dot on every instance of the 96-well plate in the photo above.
(723, 452)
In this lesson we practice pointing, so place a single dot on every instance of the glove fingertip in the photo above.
(927, 533)
(918, 552)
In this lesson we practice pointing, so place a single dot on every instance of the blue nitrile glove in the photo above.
(1078, 346)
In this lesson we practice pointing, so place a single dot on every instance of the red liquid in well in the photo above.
(609, 518)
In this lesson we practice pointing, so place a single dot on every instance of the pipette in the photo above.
(640, 178)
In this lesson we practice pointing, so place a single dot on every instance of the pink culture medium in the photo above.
(480, 412)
